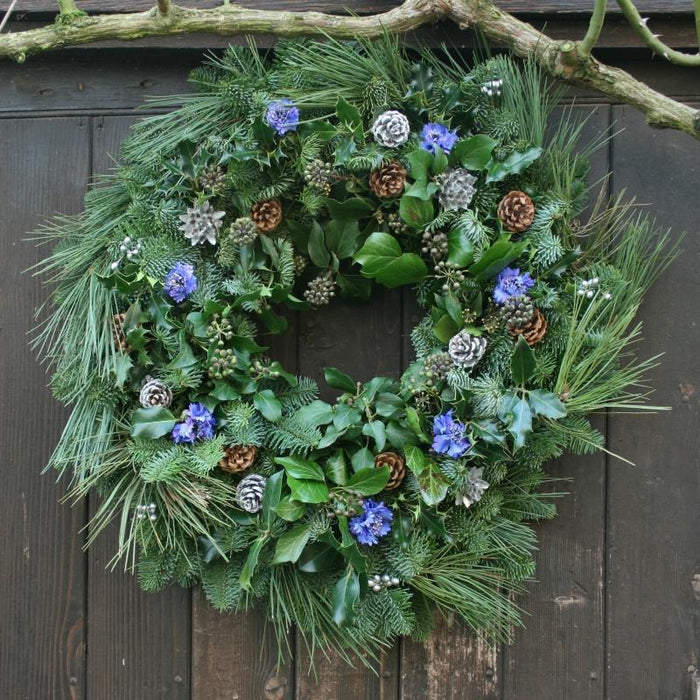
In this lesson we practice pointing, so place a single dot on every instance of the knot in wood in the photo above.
(275, 688)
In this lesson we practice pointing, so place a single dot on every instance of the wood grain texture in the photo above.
(42, 567)
(363, 340)
(139, 643)
(366, 7)
(653, 515)
(234, 657)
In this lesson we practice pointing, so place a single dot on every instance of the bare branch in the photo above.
(569, 61)
(639, 24)
(594, 27)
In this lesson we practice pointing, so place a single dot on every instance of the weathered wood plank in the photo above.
(560, 653)
(653, 522)
(139, 643)
(454, 664)
(42, 569)
(366, 7)
(364, 341)
(235, 656)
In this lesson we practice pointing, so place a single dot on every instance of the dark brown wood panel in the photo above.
(653, 517)
(42, 567)
(235, 656)
(139, 643)
(366, 7)
(560, 652)
(363, 340)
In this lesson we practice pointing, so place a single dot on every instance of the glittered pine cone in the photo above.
(516, 210)
(238, 458)
(267, 214)
(388, 180)
(397, 467)
(533, 331)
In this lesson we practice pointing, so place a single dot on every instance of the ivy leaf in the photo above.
(350, 209)
(223, 391)
(415, 211)
(362, 459)
(419, 161)
(273, 322)
(433, 485)
(291, 544)
(460, 250)
(416, 460)
(474, 152)
(523, 363)
(341, 237)
(495, 258)
(389, 405)
(369, 481)
(345, 594)
(268, 404)
(338, 380)
(184, 358)
(317, 557)
(317, 246)
(376, 429)
(152, 422)
(544, 403)
(336, 468)
(316, 413)
(345, 416)
(399, 436)
(301, 468)
(308, 491)
(354, 286)
(515, 163)
(290, 510)
(381, 258)
(271, 498)
(445, 328)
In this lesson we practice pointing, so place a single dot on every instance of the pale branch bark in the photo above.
(567, 60)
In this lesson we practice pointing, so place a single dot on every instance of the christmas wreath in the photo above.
(283, 181)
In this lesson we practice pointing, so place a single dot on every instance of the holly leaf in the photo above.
(518, 420)
(251, 562)
(515, 163)
(546, 404)
(317, 557)
(152, 422)
(460, 250)
(523, 363)
(495, 258)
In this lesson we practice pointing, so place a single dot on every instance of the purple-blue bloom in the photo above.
(436, 135)
(197, 424)
(375, 522)
(511, 283)
(180, 282)
(449, 435)
(282, 116)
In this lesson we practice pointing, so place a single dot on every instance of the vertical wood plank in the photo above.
(139, 643)
(454, 663)
(560, 652)
(234, 657)
(364, 341)
(42, 568)
(653, 523)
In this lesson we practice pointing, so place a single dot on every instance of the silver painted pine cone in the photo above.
(155, 393)
(391, 129)
(201, 223)
(466, 349)
(250, 492)
(456, 189)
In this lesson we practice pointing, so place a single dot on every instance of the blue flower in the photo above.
(375, 522)
(436, 135)
(197, 424)
(510, 283)
(282, 116)
(180, 282)
(449, 436)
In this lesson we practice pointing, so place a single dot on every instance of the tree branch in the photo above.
(594, 27)
(569, 61)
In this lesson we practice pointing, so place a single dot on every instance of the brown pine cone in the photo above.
(516, 211)
(533, 331)
(388, 180)
(238, 458)
(118, 335)
(396, 464)
(267, 214)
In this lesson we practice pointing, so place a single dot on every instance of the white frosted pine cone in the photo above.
(155, 393)
(466, 349)
(391, 129)
(250, 492)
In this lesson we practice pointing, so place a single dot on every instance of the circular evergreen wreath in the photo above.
(283, 181)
